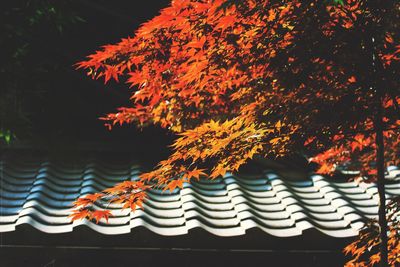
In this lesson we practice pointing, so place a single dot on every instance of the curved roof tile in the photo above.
(40, 193)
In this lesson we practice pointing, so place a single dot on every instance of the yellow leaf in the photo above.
(275, 140)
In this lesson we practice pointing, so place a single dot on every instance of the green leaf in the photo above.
(6, 135)
(338, 2)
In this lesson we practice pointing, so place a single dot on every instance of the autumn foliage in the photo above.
(238, 79)
(364, 250)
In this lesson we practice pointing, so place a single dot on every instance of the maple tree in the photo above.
(238, 79)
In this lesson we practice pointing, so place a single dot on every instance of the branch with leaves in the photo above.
(365, 250)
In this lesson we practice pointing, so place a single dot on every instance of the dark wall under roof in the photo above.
(84, 247)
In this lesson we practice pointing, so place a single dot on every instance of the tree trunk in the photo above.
(381, 187)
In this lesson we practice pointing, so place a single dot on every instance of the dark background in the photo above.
(45, 103)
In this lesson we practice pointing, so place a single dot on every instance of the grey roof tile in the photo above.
(40, 193)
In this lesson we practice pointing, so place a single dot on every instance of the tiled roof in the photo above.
(40, 193)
